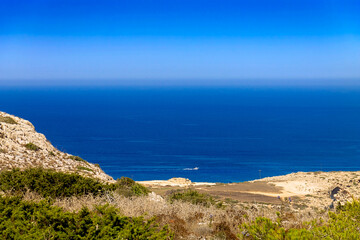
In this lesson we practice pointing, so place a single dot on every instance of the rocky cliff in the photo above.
(22, 147)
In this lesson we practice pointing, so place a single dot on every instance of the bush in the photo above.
(128, 187)
(32, 147)
(125, 181)
(7, 120)
(344, 224)
(77, 158)
(28, 220)
(84, 168)
(192, 196)
(49, 183)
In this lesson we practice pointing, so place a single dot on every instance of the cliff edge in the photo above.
(22, 147)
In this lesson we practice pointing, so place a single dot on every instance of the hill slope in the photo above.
(22, 147)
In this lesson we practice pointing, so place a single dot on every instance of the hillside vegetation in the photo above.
(30, 220)
(49, 183)
(342, 224)
(45, 204)
(24, 219)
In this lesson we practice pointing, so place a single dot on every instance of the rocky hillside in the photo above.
(317, 189)
(22, 147)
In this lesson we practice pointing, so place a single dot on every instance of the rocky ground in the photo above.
(301, 190)
(22, 147)
(318, 189)
(174, 182)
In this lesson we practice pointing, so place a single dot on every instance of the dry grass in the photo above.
(193, 221)
(8, 120)
(185, 219)
(32, 147)
(189, 221)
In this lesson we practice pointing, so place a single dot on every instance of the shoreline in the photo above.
(174, 182)
(182, 181)
(311, 189)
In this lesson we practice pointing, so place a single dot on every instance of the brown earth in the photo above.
(245, 192)
(302, 190)
(242, 192)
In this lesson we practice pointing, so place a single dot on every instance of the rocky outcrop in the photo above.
(174, 182)
(22, 147)
(318, 189)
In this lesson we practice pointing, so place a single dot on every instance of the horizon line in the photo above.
(188, 82)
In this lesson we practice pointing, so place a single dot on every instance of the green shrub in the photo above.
(128, 187)
(344, 224)
(138, 189)
(77, 158)
(7, 120)
(32, 147)
(263, 228)
(125, 181)
(84, 168)
(51, 153)
(193, 197)
(49, 183)
(29, 220)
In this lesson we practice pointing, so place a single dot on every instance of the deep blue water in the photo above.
(229, 133)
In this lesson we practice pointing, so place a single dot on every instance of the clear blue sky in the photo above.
(205, 42)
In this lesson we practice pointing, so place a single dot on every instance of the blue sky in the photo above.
(250, 42)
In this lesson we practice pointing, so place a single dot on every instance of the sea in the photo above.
(210, 134)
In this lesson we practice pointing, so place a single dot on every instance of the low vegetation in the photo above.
(84, 169)
(77, 158)
(7, 120)
(32, 147)
(342, 224)
(44, 204)
(128, 187)
(192, 196)
(30, 220)
(48, 183)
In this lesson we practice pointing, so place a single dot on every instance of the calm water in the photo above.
(229, 134)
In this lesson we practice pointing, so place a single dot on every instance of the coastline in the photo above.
(23, 147)
(174, 182)
(310, 189)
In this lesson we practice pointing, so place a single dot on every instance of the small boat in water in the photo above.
(191, 169)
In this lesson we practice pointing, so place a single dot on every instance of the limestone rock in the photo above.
(155, 198)
(180, 181)
(22, 147)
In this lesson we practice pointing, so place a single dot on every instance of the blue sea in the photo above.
(204, 134)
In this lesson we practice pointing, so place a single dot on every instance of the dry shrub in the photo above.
(223, 230)
(188, 221)
(177, 225)
(185, 219)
